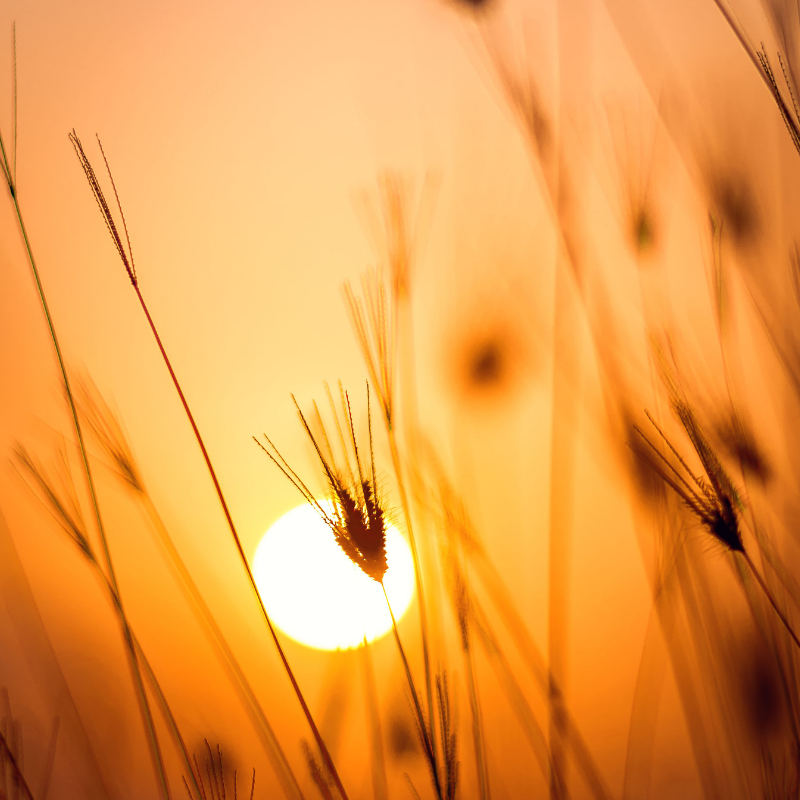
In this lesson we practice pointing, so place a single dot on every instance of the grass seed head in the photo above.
(59, 497)
(125, 253)
(107, 430)
(358, 519)
(712, 500)
(361, 528)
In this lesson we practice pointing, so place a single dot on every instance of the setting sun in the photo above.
(316, 595)
(521, 278)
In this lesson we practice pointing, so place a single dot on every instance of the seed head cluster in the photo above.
(358, 519)
(713, 500)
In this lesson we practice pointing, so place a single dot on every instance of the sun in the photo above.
(316, 595)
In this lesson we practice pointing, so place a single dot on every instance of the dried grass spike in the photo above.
(107, 431)
(715, 504)
(61, 501)
(94, 184)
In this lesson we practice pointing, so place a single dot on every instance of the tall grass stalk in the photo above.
(423, 729)
(65, 509)
(358, 523)
(540, 128)
(714, 503)
(755, 572)
(461, 535)
(377, 345)
(127, 259)
(650, 679)
(461, 601)
(108, 433)
(516, 697)
(47, 670)
(564, 418)
(51, 758)
(147, 718)
(376, 324)
(380, 789)
(8, 757)
(265, 731)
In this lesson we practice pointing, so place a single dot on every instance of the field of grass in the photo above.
(520, 279)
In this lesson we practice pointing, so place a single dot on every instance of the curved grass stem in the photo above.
(137, 677)
(423, 619)
(7, 755)
(770, 598)
(266, 733)
(309, 718)
(126, 255)
(479, 744)
(161, 699)
(427, 741)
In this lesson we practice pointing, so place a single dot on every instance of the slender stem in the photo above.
(168, 716)
(481, 766)
(144, 705)
(379, 786)
(15, 105)
(151, 677)
(51, 758)
(273, 748)
(516, 697)
(7, 754)
(423, 619)
(746, 46)
(317, 736)
(426, 740)
(535, 663)
(772, 601)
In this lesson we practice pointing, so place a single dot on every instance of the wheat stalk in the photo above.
(126, 256)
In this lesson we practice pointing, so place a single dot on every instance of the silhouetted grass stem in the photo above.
(317, 736)
(127, 260)
(477, 722)
(379, 358)
(274, 750)
(423, 619)
(427, 741)
(770, 598)
(380, 789)
(142, 696)
(19, 779)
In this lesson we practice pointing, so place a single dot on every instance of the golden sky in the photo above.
(247, 141)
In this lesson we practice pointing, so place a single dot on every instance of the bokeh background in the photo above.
(247, 141)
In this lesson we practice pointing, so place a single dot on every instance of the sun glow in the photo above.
(316, 595)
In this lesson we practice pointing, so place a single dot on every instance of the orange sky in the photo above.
(243, 139)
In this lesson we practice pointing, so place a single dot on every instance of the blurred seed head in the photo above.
(58, 495)
(643, 230)
(487, 359)
(762, 694)
(218, 777)
(738, 443)
(734, 207)
(475, 7)
(401, 738)
(632, 145)
(107, 431)
(319, 773)
(757, 687)
(712, 499)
